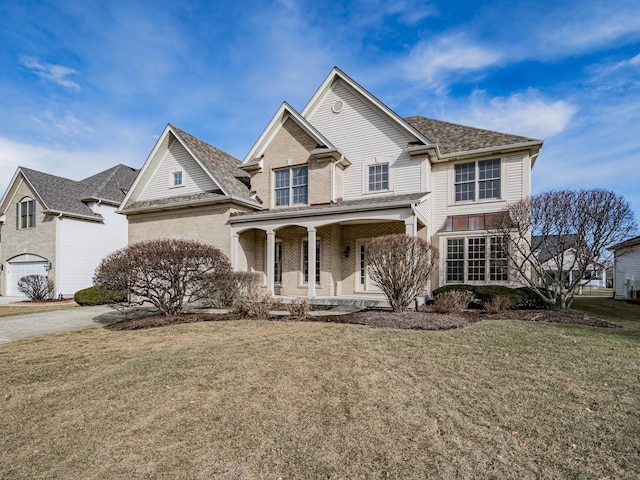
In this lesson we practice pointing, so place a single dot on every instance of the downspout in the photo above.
(57, 259)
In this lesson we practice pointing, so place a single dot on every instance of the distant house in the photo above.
(62, 228)
(626, 269)
(557, 252)
(319, 184)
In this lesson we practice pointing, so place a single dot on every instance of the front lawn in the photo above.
(254, 399)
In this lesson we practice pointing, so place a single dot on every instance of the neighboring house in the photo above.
(626, 269)
(343, 171)
(555, 251)
(62, 228)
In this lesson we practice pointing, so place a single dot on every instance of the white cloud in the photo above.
(526, 114)
(67, 124)
(54, 73)
(65, 163)
(433, 63)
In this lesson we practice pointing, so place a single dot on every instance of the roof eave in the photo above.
(533, 147)
(334, 208)
(80, 216)
(189, 204)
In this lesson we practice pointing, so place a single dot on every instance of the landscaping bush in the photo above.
(401, 266)
(497, 304)
(36, 287)
(530, 299)
(299, 308)
(255, 303)
(92, 296)
(453, 288)
(169, 274)
(227, 287)
(488, 293)
(453, 301)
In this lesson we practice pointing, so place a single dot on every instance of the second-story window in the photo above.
(477, 180)
(26, 213)
(291, 186)
(379, 177)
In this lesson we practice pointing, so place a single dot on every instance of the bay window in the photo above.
(476, 259)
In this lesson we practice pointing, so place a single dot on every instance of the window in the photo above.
(455, 260)
(477, 180)
(472, 263)
(379, 177)
(477, 259)
(305, 261)
(177, 179)
(277, 264)
(291, 186)
(26, 213)
(498, 263)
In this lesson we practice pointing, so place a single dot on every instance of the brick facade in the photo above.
(39, 240)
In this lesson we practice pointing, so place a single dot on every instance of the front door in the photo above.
(364, 283)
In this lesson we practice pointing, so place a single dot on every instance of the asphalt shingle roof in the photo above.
(224, 167)
(64, 195)
(452, 137)
(372, 202)
(176, 201)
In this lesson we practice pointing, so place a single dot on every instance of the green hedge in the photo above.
(89, 297)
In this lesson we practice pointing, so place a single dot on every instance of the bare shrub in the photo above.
(497, 304)
(36, 287)
(169, 274)
(256, 304)
(453, 301)
(401, 266)
(555, 238)
(224, 289)
(299, 308)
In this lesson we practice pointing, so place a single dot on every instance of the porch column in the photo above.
(271, 249)
(311, 254)
(411, 226)
(235, 242)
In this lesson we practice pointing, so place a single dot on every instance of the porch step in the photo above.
(358, 302)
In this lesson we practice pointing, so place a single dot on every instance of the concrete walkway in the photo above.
(17, 327)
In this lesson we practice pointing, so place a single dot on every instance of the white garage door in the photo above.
(17, 270)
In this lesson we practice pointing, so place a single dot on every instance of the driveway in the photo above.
(17, 327)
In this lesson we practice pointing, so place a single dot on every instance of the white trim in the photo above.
(384, 160)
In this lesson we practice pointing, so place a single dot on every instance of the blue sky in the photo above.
(89, 84)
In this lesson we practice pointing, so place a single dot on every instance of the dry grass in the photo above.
(262, 400)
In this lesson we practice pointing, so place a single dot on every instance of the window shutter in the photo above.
(17, 216)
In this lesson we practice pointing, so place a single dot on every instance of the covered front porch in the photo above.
(277, 244)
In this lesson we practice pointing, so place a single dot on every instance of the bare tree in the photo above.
(36, 287)
(556, 237)
(401, 266)
(169, 274)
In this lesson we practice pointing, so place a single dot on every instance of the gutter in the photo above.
(80, 216)
(187, 204)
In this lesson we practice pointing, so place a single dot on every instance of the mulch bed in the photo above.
(31, 303)
(424, 320)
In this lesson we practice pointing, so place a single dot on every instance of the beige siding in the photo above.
(363, 134)
(515, 178)
(205, 224)
(175, 158)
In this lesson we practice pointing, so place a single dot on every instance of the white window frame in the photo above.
(290, 187)
(28, 204)
(477, 182)
(173, 176)
(484, 262)
(378, 161)
(318, 261)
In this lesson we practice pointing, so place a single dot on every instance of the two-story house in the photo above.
(319, 184)
(59, 227)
